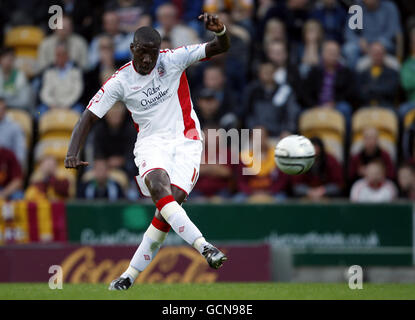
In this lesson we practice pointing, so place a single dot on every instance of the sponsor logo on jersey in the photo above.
(154, 96)
(161, 70)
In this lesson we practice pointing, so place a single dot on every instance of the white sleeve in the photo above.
(107, 95)
(186, 55)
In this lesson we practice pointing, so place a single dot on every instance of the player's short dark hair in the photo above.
(147, 34)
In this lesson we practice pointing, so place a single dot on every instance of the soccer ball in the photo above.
(294, 154)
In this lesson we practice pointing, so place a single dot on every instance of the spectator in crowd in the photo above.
(215, 177)
(371, 151)
(235, 61)
(179, 34)
(406, 181)
(293, 13)
(323, 180)
(114, 140)
(111, 28)
(286, 74)
(101, 186)
(77, 47)
(14, 87)
(82, 15)
(332, 17)
(267, 185)
(274, 32)
(62, 84)
(374, 187)
(11, 135)
(208, 108)
(309, 51)
(379, 85)
(268, 103)
(407, 75)
(241, 10)
(367, 61)
(46, 182)
(262, 8)
(330, 85)
(11, 176)
(381, 23)
(215, 80)
(165, 43)
(106, 65)
(187, 11)
(132, 14)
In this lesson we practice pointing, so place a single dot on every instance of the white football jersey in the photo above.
(160, 102)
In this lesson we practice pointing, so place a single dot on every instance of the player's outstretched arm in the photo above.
(79, 134)
(221, 43)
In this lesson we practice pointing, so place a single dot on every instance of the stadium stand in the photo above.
(328, 125)
(25, 40)
(57, 124)
(253, 30)
(384, 120)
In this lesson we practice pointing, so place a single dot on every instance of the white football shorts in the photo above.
(180, 158)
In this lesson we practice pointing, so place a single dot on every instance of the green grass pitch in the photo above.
(213, 291)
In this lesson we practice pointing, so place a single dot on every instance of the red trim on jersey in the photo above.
(194, 174)
(179, 188)
(124, 66)
(115, 73)
(160, 225)
(163, 201)
(136, 126)
(186, 105)
(112, 76)
(152, 170)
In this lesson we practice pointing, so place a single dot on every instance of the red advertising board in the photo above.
(92, 264)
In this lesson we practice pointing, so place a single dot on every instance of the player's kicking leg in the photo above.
(149, 246)
(168, 208)
(158, 183)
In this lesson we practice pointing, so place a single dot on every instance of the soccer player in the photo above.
(154, 88)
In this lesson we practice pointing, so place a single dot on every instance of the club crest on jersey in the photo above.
(98, 95)
(161, 71)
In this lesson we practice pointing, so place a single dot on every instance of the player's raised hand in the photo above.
(211, 22)
(72, 162)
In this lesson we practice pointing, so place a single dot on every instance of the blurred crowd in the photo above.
(294, 67)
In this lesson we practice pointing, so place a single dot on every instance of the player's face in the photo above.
(145, 56)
